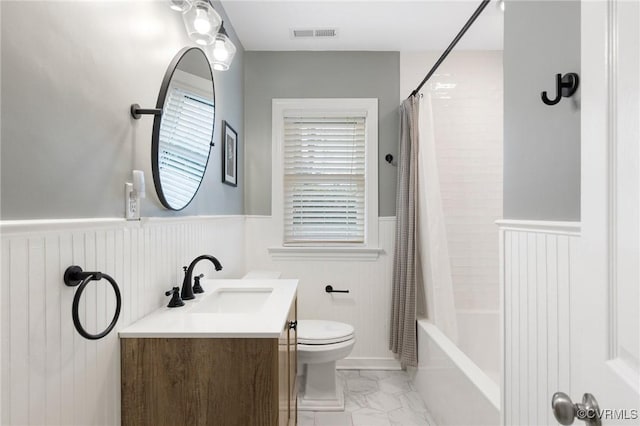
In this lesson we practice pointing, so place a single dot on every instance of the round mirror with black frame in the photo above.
(183, 134)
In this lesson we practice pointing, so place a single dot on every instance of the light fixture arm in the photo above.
(222, 30)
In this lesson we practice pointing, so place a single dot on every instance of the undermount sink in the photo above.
(233, 301)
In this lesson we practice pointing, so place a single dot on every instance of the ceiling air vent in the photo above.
(314, 33)
(302, 33)
(331, 32)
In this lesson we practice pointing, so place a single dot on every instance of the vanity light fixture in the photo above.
(223, 50)
(501, 5)
(180, 5)
(204, 26)
(202, 22)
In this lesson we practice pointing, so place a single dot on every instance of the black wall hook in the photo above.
(566, 86)
(389, 159)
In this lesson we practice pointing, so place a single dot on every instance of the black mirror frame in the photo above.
(155, 136)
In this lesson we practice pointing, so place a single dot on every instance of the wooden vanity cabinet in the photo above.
(288, 368)
(289, 362)
(210, 381)
(293, 367)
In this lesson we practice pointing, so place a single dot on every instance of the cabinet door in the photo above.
(293, 364)
(283, 377)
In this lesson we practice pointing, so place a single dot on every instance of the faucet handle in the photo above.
(175, 301)
(197, 288)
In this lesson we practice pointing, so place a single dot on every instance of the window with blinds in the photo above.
(324, 180)
(184, 142)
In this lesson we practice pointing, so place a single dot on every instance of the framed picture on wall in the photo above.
(229, 155)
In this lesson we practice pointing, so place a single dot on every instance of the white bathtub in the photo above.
(455, 390)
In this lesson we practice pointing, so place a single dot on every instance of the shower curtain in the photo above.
(421, 265)
(402, 340)
(433, 249)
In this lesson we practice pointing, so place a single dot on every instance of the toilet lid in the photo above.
(320, 332)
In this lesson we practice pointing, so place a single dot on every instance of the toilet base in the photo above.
(322, 391)
(334, 404)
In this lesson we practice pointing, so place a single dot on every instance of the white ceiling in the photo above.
(392, 25)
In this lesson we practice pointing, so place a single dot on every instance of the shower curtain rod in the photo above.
(455, 41)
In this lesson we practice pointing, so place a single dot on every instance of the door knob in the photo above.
(564, 410)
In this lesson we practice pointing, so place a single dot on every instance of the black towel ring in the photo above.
(75, 276)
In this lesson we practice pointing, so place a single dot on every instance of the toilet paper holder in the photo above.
(329, 289)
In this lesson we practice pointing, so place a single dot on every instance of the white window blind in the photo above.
(324, 180)
(185, 139)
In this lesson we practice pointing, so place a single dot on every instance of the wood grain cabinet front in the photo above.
(210, 381)
(288, 361)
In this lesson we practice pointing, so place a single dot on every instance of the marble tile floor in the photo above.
(373, 398)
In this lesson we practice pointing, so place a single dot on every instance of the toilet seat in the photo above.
(320, 332)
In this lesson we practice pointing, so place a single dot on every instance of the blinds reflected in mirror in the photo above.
(184, 143)
(324, 180)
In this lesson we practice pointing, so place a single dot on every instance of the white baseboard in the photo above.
(368, 364)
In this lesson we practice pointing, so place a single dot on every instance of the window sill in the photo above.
(325, 253)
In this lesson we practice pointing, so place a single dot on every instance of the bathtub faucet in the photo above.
(187, 289)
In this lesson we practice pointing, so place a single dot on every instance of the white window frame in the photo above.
(365, 107)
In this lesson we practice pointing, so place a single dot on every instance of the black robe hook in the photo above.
(566, 86)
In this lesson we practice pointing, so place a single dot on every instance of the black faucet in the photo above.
(197, 288)
(187, 289)
(175, 301)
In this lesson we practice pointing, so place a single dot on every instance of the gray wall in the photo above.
(541, 143)
(70, 70)
(271, 75)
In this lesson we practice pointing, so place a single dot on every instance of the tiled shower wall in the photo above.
(50, 374)
(467, 94)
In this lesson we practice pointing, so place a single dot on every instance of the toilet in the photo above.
(320, 344)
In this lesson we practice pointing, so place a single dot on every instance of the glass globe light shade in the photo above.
(180, 5)
(202, 22)
(223, 51)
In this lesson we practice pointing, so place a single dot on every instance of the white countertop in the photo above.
(266, 322)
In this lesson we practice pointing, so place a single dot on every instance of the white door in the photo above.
(605, 297)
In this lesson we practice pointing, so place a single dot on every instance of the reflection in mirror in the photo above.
(183, 134)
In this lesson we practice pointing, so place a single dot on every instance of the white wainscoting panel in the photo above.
(368, 305)
(538, 258)
(50, 374)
